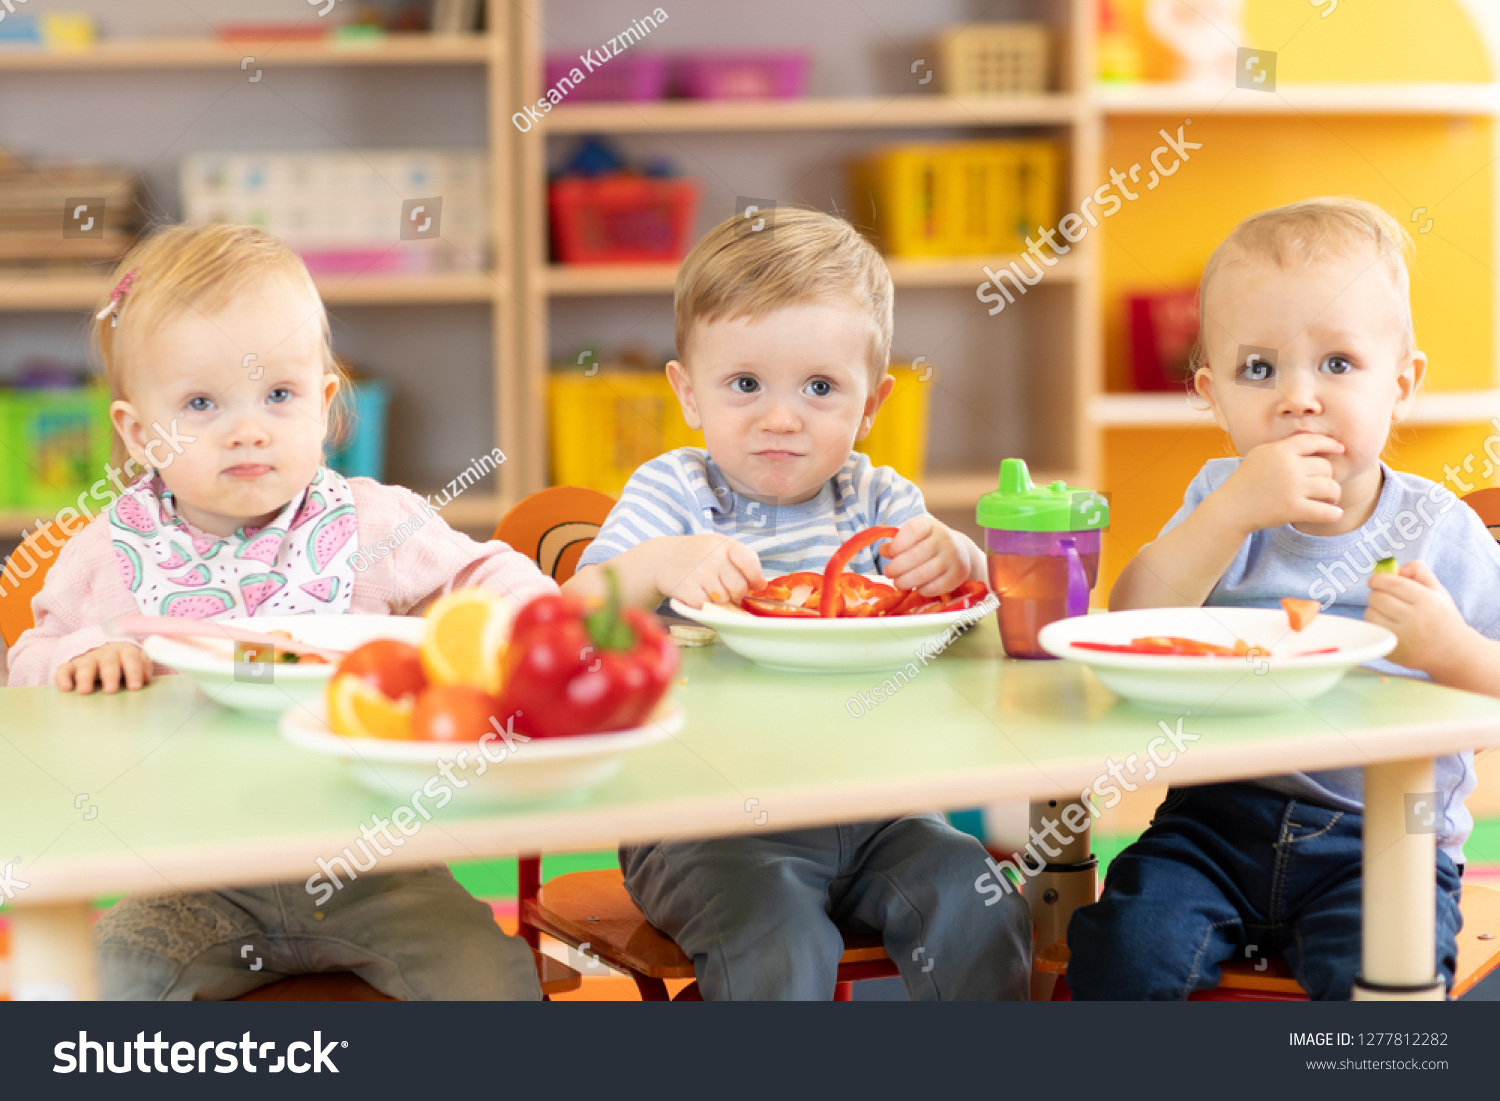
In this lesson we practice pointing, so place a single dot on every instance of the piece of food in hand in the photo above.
(393, 666)
(1386, 565)
(358, 709)
(1300, 612)
(453, 713)
(569, 670)
(466, 635)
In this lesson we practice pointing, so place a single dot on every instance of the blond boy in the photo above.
(784, 335)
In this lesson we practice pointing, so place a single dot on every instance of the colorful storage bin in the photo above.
(53, 445)
(605, 425)
(622, 219)
(959, 199)
(780, 74)
(361, 454)
(635, 78)
(993, 59)
(899, 436)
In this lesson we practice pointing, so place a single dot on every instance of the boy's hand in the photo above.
(1283, 483)
(107, 664)
(926, 556)
(1430, 630)
(713, 569)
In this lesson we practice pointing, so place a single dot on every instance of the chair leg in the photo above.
(689, 993)
(1061, 991)
(652, 990)
(843, 992)
(528, 883)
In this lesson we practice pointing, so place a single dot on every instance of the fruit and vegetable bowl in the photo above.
(512, 703)
(1228, 660)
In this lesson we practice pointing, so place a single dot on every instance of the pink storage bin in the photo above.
(637, 79)
(774, 74)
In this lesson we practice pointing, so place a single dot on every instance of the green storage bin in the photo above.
(53, 445)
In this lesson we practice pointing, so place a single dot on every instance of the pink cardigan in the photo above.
(84, 587)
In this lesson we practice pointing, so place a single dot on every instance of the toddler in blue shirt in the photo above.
(1307, 357)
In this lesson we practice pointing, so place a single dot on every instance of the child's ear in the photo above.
(331, 385)
(873, 403)
(128, 424)
(1408, 382)
(682, 386)
(1203, 383)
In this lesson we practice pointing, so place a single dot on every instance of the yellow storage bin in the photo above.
(993, 59)
(957, 199)
(899, 437)
(604, 426)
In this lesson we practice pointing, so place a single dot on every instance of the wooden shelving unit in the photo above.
(194, 53)
(1063, 114)
(43, 292)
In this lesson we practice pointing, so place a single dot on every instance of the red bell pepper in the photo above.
(1165, 645)
(568, 670)
(798, 589)
(831, 602)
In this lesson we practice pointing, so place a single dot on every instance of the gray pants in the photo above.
(762, 916)
(414, 935)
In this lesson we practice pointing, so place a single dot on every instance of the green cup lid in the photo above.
(1021, 505)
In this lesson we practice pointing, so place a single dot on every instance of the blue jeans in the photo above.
(762, 916)
(1235, 871)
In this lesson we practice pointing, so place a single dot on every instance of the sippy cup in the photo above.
(1043, 551)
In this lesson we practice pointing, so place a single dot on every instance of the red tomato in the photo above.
(392, 667)
(453, 713)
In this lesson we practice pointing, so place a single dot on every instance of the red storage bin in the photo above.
(622, 219)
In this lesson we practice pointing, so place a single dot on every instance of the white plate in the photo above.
(267, 690)
(535, 768)
(1224, 684)
(809, 645)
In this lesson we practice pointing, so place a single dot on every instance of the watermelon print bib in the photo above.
(292, 565)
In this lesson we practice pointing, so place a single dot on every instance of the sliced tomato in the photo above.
(1300, 612)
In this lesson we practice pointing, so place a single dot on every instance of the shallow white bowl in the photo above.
(269, 691)
(808, 645)
(526, 769)
(1224, 684)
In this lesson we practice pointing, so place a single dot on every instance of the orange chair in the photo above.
(16, 593)
(36, 555)
(553, 527)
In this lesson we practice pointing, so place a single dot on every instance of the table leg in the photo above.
(1066, 881)
(1400, 857)
(52, 953)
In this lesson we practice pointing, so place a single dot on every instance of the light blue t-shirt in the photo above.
(684, 493)
(1413, 518)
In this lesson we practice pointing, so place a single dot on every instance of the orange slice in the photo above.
(466, 635)
(357, 709)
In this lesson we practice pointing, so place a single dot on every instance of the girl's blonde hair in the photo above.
(1309, 230)
(179, 268)
(786, 256)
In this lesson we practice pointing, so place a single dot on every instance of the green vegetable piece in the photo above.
(1386, 565)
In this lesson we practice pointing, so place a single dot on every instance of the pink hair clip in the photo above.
(122, 288)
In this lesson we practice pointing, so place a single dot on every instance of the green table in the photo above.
(162, 790)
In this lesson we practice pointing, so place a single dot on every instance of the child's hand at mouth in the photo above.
(1286, 481)
(927, 557)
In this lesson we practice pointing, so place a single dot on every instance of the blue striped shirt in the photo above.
(684, 493)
